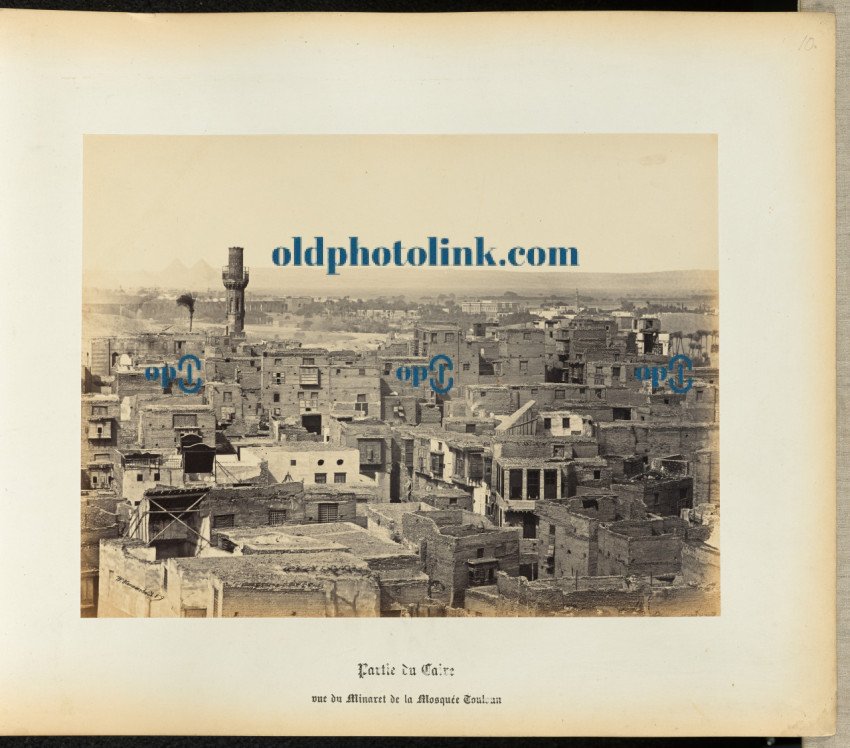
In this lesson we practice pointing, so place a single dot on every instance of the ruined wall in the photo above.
(357, 596)
(706, 476)
(681, 601)
(250, 506)
(398, 594)
(700, 564)
(187, 589)
(572, 545)
(581, 597)
(621, 555)
(130, 581)
(662, 497)
(622, 438)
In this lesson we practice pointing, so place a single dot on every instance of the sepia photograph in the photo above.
(400, 376)
(419, 316)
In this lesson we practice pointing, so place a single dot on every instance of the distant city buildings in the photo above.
(303, 480)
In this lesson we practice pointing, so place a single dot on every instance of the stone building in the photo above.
(310, 385)
(186, 521)
(332, 570)
(165, 425)
(459, 550)
(447, 497)
(310, 462)
(99, 519)
(320, 582)
(641, 547)
(662, 494)
(567, 546)
(99, 424)
(378, 451)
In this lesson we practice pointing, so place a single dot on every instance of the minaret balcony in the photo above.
(236, 279)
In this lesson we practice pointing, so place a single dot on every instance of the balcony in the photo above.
(468, 479)
(100, 428)
(226, 275)
(309, 376)
(187, 428)
(482, 571)
(516, 505)
(371, 454)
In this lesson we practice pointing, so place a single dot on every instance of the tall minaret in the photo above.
(235, 278)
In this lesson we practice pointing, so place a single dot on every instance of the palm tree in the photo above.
(676, 340)
(694, 346)
(188, 301)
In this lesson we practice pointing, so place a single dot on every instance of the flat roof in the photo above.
(178, 407)
(305, 446)
(356, 539)
(278, 571)
(275, 540)
(533, 462)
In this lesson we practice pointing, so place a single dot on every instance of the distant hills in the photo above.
(201, 276)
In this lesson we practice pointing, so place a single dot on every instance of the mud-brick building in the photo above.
(661, 493)
(99, 519)
(329, 570)
(591, 596)
(310, 580)
(623, 438)
(459, 550)
(398, 570)
(443, 497)
(706, 475)
(310, 385)
(700, 564)
(385, 520)
(277, 504)
(641, 547)
(567, 543)
(181, 522)
(379, 455)
(327, 584)
(580, 596)
(165, 425)
(99, 436)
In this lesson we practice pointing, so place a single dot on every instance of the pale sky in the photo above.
(629, 203)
